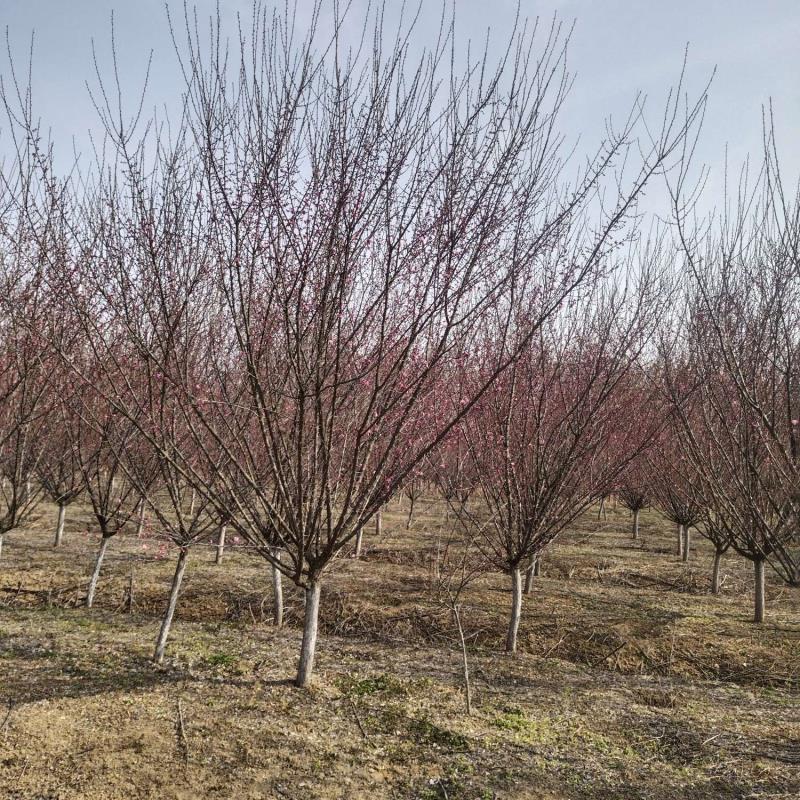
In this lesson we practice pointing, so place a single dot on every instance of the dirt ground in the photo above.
(632, 681)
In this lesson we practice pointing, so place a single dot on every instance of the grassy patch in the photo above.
(353, 686)
(222, 659)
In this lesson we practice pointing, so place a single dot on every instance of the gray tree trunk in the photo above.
(464, 660)
(636, 524)
(140, 523)
(101, 554)
(220, 545)
(309, 646)
(166, 622)
(537, 566)
(529, 575)
(687, 542)
(378, 523)
(760, 595)
(277, 590)
(410, 520)
(516, 610)
(62, 513)
(715, 572)
(680, 539)
(129, 600)
(1, 545)
(359, 539)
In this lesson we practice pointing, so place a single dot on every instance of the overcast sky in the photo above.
(618, 48)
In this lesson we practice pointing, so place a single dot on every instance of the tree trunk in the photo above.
(309, 646)
(62, 512)
(359, 538)
(140, 523)
(1, 545)
(537, 566)
(680, 539)
(410, 520)
(715, 572)
(529, 574)
(101, 554)
(516, 610)
(166, 623)
(378, 523)
(601, 512)
(760, 598)
(193, 500)
(220, 545)
(464, 660)
(687, 542)
(636, 524)
(129, 600)
(277, 590)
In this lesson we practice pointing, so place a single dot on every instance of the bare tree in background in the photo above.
(742, 429)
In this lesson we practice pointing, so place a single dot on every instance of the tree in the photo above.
(24, 397)
(25, 319)
(743, 346)
(633, 492)
(173, 502)
(58, 468)
(450, 470)
(555, 432)
(674, 483)
(106, 448)
(334, 228)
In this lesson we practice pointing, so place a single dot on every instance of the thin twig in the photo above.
(183, 742)
(7, 716)
(358, 720)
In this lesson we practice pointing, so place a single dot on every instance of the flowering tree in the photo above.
(174, 504)
(450, 468)
(413, 489)
(671, 478)
(555, 432)
(633, 488)
(26, 319)
(102, 444)
(58, 468)
(24, 397)
(308, 260)
(744, 347)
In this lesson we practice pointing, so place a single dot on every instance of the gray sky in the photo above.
(619, 47)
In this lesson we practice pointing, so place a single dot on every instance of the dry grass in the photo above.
(633, 681)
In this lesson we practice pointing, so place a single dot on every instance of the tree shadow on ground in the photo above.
(33, 673)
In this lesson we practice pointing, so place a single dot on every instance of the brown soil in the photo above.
(632, 680)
